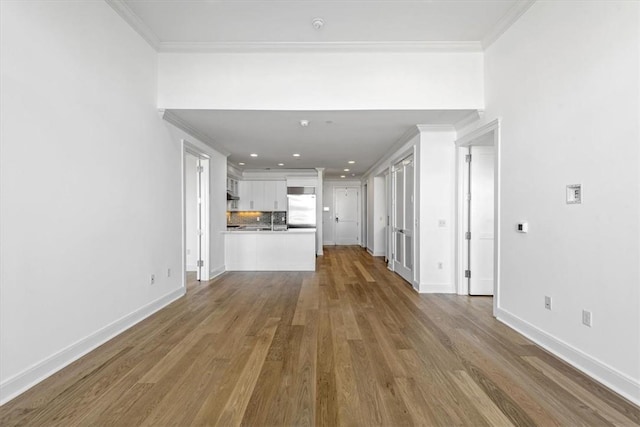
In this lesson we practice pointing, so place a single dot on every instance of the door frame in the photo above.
(335, 211)
(462, 147)
(205, 211)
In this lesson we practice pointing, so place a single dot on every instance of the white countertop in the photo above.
(289, 231)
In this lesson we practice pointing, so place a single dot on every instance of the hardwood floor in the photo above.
(350, 344)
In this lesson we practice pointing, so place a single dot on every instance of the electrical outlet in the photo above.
(442, 223)
(153, 279)
(547, 302)
(586, 318)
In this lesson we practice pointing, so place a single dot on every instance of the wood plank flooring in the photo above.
(350, 344)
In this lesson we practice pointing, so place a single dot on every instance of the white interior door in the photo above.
(481, 239)
(402, 230)
(346, 216)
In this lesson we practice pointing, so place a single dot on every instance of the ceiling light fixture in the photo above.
(304, 123)
(351, 162)
(342, 176)
(280, 164)
(241, 164)
(253, 155)
(296, 155)
(317, 23)
(346, 169)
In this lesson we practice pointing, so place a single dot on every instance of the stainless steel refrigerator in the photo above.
(301, 210)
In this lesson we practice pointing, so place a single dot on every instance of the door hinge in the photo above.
(467, 158)
(467, 274)
(200, 263)
(200, 169)
(468, 197)
(467, 235)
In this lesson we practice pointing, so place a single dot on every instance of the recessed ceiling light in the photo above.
(346, 169)
(241, 164)
(351, 162)
(253, 155)
(304, 123)
(280, 164)
(342, 176)
(296, 155)
(353, 174)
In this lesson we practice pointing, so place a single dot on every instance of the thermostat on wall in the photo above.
(574, 194)
(522, 227)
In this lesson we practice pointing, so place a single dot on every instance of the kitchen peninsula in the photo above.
(263, 250)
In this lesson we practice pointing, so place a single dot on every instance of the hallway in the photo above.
(350, 344)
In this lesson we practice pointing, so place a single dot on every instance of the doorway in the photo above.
(403, 215)
(347, 219)
(195, 213)
(478, 212)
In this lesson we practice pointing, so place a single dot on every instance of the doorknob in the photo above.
(337, 219)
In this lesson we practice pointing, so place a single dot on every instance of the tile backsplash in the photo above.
(256, 218)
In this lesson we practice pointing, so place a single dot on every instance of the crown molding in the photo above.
(435, 128)
(512, 15)
(172, 118)
(274, 47)
(399, 145)
(468, 119)
(135, 22)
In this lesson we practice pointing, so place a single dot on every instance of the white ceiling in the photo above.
(331, 139)
(171, 24)
(267, 25)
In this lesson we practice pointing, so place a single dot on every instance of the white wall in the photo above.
(321, 81)
(565, 82)
(90, 186)
(328, 218)
(191, 211)
(436, 202)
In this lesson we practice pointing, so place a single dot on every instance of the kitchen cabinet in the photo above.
(281, 195)
(292, 250)
(262, 196)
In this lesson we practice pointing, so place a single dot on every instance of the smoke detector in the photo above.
(317, 23)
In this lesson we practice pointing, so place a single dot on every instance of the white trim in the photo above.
(26, 379)
(215, 273)
(436, 128)
(437, 288)
(403, 144)
(135, 22)
(332, 243)
(172, 118)
(468, 119)
(516, 11)
(465, 141)
(342, 46)
(617, 381)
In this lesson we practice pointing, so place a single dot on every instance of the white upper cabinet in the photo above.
(262, 196)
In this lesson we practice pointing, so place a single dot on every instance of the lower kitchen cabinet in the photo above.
(292, 250)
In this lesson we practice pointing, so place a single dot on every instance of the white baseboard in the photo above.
(21, 382)
(617, 381)
(328, 243)
(215, 273)
(436, 288)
